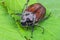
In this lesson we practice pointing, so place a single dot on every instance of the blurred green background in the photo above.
(9, 28)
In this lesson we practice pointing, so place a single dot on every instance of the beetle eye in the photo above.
(26, 14)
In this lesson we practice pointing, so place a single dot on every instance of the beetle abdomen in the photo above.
(40, 13)
(38, 9)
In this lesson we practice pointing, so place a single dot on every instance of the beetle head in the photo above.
(27, 18)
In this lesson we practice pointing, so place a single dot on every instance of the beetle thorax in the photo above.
(28, 17)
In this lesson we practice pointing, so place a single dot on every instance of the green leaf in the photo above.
(10, 31)
(8, 27)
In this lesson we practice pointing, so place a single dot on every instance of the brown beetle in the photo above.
(32, 14)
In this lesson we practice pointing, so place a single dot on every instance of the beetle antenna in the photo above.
(25, 6)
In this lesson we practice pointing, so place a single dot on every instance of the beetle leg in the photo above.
(25, 6)
(32, 31)
(18, 20)
(27, 28)
(46, 17)
(26, 38)
(41, 27)
(18, 14)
